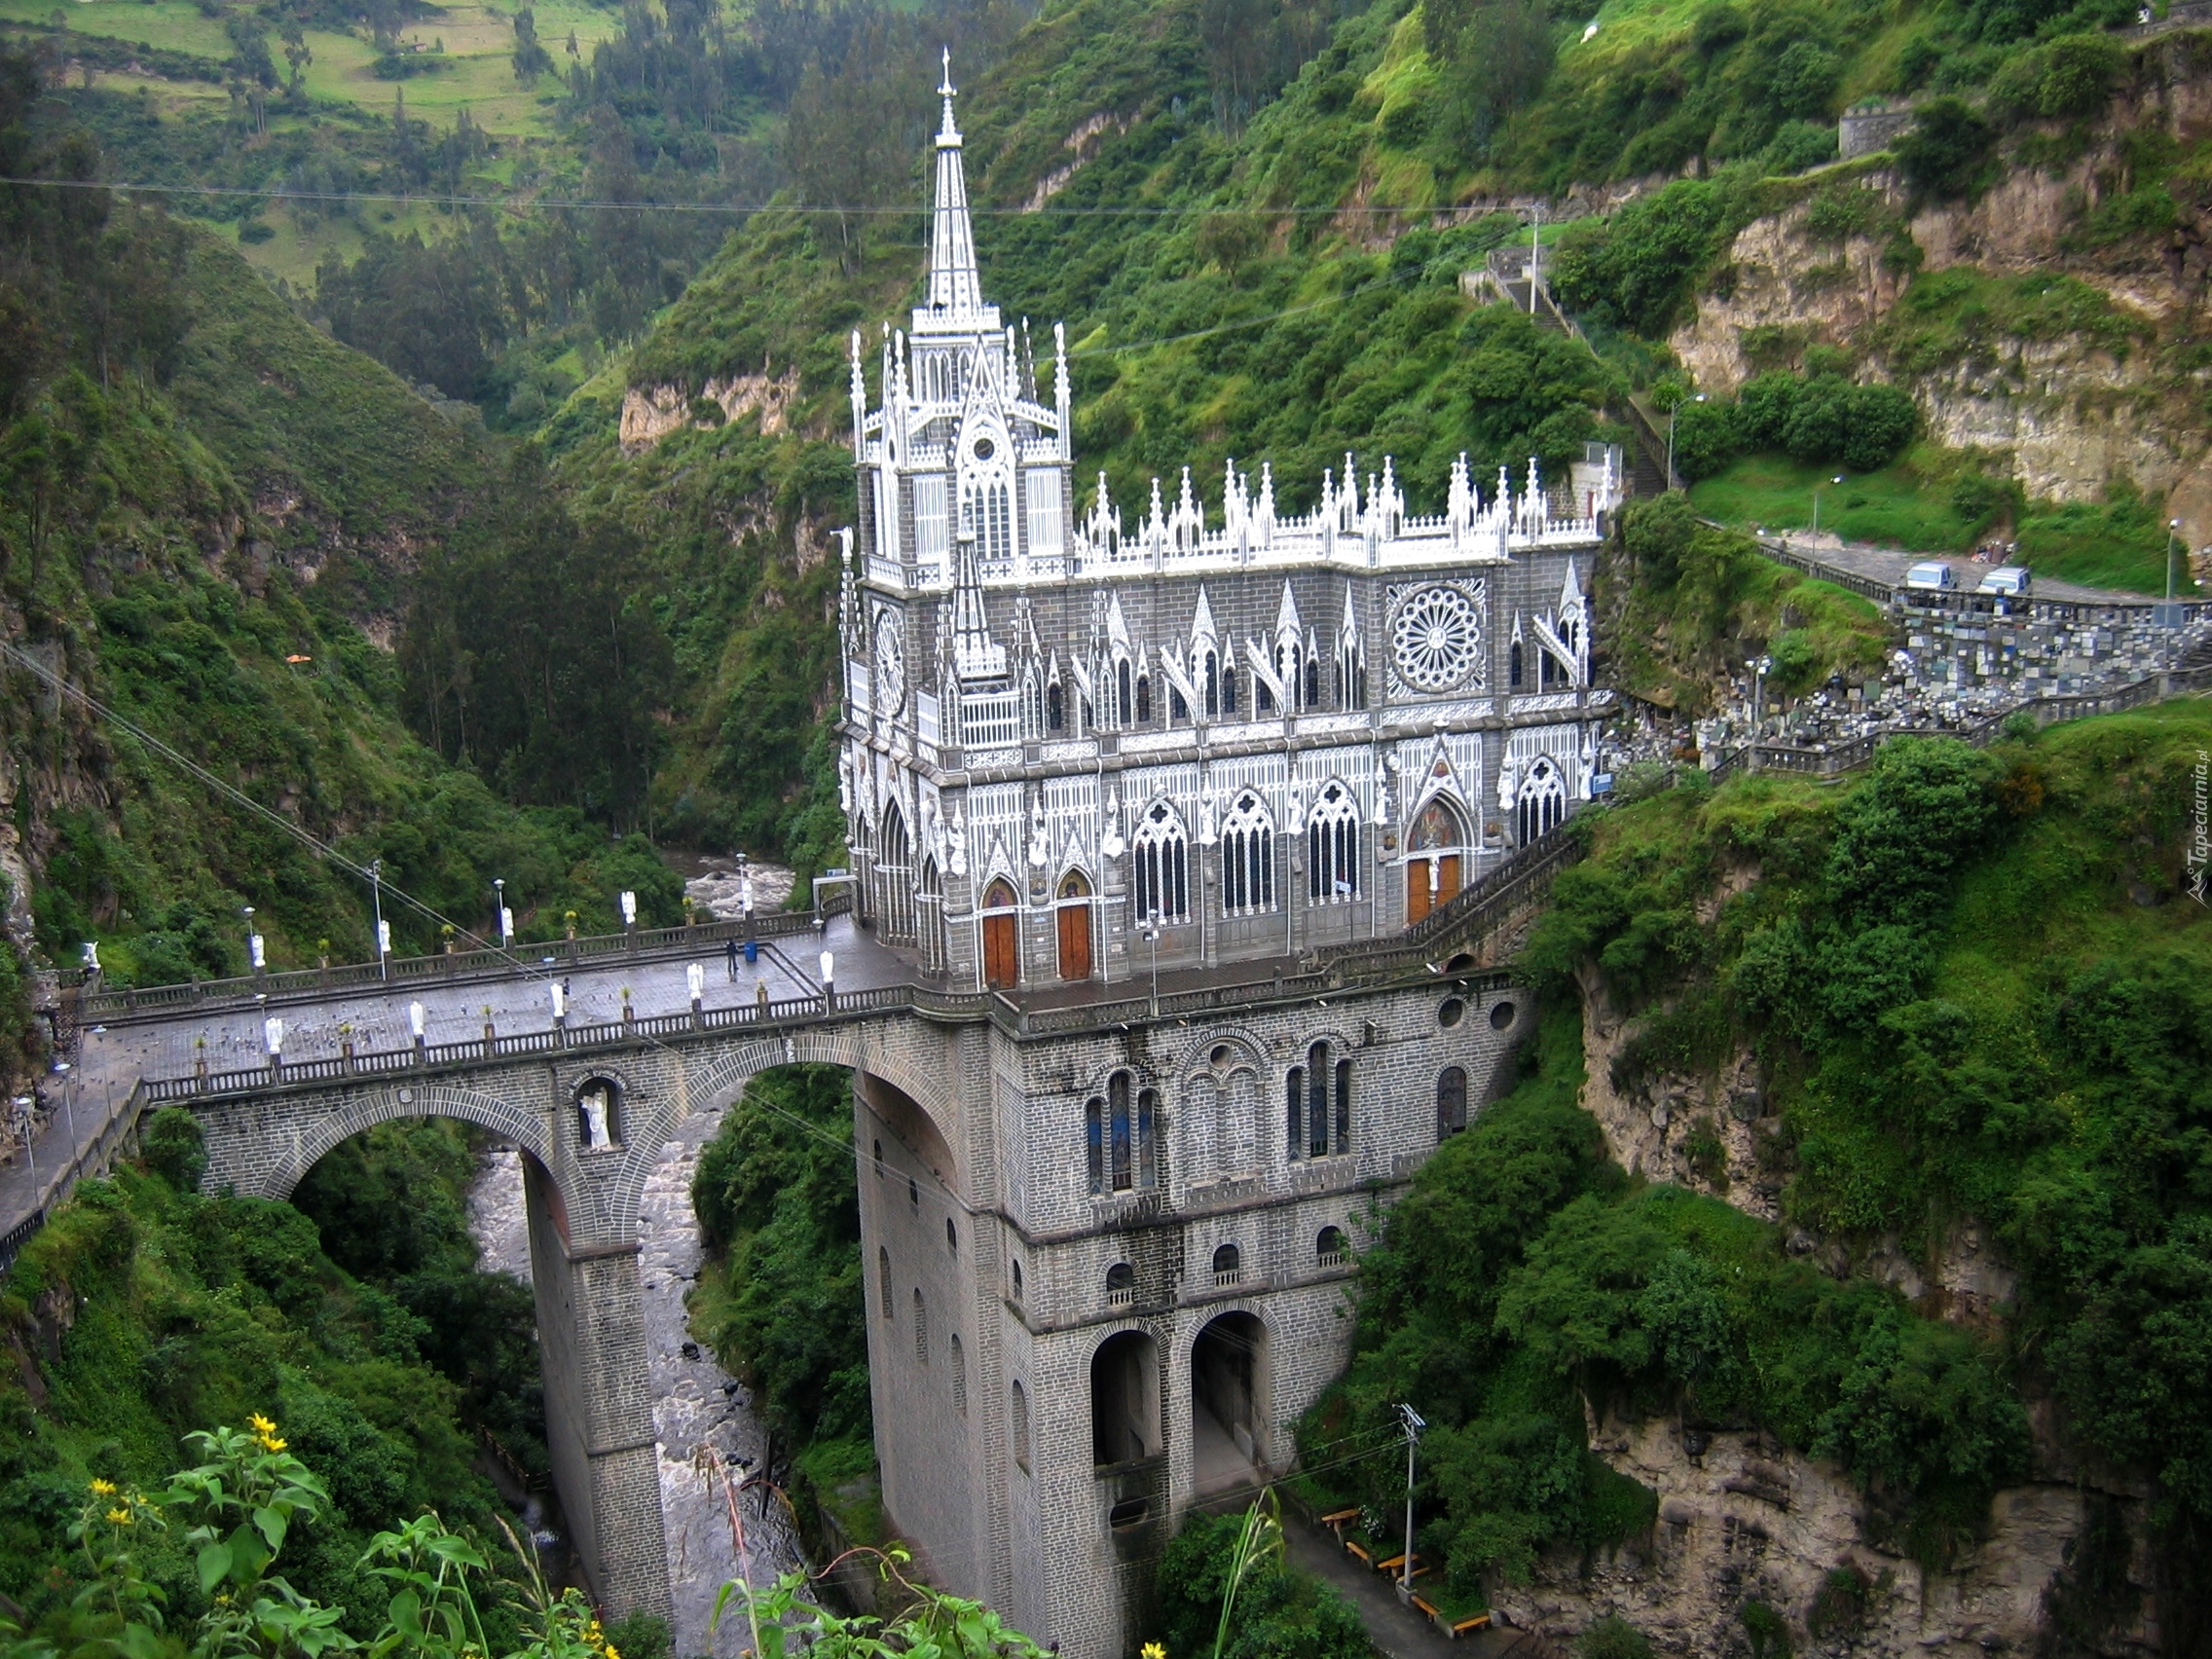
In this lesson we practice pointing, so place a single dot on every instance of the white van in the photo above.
(1933, 574)
(2012, 579)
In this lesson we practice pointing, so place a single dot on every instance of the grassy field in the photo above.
(2117, 543)
(1895, 506)
(474, 72)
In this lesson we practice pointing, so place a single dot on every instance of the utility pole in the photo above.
(1413, 1423)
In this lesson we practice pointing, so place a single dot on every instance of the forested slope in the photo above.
(210, 514)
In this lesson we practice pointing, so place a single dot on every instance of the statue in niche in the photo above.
(595, 1116)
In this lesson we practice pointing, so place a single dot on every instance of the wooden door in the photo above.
(1075, 940)
(1000, 956)
(1420, 901)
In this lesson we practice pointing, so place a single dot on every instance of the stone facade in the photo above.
(1272, 731)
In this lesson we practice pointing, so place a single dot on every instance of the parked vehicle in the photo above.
(1933, 574)
(2013, 579)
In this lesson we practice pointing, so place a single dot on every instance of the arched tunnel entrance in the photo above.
(1228, 1371)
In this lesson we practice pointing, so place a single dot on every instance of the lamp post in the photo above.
(383, 933)
(1671, 482)
(254, 950)
(1760, 666)
(500, 907)
(1837, 479)
(2173, 534)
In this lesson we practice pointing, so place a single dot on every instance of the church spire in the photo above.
(954, 286)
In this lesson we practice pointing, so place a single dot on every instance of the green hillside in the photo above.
(210, 511)
(1971, 992)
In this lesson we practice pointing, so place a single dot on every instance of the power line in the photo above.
(514, 205)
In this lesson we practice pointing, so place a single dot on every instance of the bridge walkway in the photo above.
(171, 1042)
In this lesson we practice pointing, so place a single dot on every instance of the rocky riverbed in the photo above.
(696, 1404)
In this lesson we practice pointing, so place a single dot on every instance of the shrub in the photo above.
(1950, 154)
(1613, 1637)
(2069, 77)
(1768, 1630)
(174, 1148)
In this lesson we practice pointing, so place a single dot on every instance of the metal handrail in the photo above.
(122, 1005)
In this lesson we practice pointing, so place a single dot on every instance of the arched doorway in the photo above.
(1435, 850)
(1002, 954)
(1228, 1372)
(1124, 1399)
(1073, 914)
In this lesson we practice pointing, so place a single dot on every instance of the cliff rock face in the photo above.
(1743, 1520)
(2073, 414)
(650, 413)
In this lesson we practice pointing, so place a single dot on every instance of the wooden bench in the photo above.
(1465, 1627)
(1338, 1517)
(1352, 1548)
(1395, 1565)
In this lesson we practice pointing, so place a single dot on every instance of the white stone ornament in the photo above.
(1110, 842)
(1435, 637)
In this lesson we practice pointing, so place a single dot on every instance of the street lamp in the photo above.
(1837, 479)
(1760, 666)
(2173, 534)
(500, 907)
(1671, 482)
(254, 951)
(383, 933)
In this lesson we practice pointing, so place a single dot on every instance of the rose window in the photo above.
(1435, 638)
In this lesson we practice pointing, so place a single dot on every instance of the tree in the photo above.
(1491, 56)
(532, 59)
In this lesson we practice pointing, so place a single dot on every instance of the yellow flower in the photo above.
(103, 1489)
(269, 1443)
(610, 1651)
(1152, 1650)
(121, 1517)
(260, 1425)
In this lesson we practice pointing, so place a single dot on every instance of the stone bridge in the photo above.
(1014, 1277)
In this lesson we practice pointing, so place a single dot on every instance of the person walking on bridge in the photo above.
(730, 951)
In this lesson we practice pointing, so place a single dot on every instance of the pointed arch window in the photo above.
(894, 878)
(1056, 707)
(1542, 804)
(1313, 683)
(1178, 711)
(1163, 859)
(1144, 699)
(1126, 703)
(1351, 677)
(1211, 689)
(1020, 1415)
(1032, 704)
(1513, 673)
(1332, 847)
(1227, 689)
(1247, 858)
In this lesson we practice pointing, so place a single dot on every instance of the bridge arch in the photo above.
(324, 1133)
(717, 1087)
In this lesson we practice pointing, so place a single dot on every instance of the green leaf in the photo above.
(214, 1566)
(272, 1526)
(406, 1613)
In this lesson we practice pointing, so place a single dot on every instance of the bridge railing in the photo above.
(119, 1005)
(94, 1157)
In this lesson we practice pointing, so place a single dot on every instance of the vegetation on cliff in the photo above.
(145, 1309)
(1973, 992)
